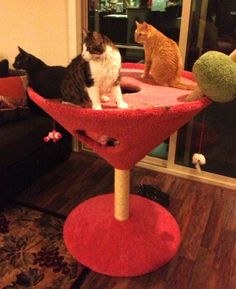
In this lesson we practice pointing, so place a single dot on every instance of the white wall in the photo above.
(38, 26)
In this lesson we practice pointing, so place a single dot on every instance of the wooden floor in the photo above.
(206, 216)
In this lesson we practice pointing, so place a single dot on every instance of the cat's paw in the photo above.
(122, 104)
(97, 107)
(105, 98)
(144, 75)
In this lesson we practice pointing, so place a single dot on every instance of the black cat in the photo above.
(44, 79)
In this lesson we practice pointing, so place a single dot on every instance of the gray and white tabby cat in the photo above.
(93, 74)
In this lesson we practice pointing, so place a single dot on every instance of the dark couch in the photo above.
(24, 155)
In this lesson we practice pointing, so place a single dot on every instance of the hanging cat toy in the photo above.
(198, 159)
(53, 135)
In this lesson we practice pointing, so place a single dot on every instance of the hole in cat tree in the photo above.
(100, 139)
(129, 89)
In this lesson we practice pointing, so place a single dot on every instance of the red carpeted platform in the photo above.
(121, 234)
(155, 113)
(143, 243)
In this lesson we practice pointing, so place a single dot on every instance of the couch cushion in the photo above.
(8, 115)
(20, 139)
(24, 156)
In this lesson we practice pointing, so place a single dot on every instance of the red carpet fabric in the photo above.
(154, 113)
(143, 243)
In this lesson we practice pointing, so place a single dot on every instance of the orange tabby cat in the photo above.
(162, 56)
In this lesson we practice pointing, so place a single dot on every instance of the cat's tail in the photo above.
(195, 94)
(182, 85)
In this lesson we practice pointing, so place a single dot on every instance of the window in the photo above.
(213, 130)
(206, 25)
(116, 19)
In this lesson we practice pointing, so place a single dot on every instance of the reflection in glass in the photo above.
(214, 130)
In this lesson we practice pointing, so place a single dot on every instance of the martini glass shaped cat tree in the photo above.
(123, 234)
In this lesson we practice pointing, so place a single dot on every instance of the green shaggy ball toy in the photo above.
(215, 73)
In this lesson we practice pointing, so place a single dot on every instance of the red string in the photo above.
(54, 124)
(202, 131)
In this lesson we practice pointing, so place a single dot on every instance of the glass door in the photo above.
(116, 19)
(197, 26)
(212, 27)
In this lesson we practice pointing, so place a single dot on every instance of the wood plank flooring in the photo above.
(206, 216)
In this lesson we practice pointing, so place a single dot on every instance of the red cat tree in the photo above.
(123, 234)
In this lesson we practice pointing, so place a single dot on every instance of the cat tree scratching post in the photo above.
(123, 234)
(121, 194)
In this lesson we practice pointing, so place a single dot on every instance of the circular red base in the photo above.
(143, 243)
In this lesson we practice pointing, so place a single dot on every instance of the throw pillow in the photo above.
(12, 92)
(13, 104)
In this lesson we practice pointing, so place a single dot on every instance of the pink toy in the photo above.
(53, 135)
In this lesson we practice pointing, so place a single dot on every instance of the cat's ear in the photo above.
(84, 33)
(21, 50)
(137, 23)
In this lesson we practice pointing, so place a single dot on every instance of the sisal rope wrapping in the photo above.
(121, 195)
